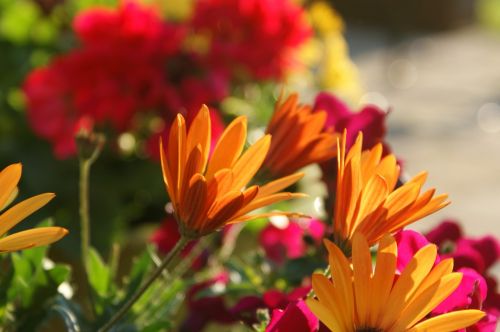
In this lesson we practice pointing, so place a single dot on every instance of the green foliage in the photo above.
(29, 283)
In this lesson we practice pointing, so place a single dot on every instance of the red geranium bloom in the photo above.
(256, 37)
(129, 61)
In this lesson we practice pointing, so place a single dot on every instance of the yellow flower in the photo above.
(208, 194)
(9, 178)
(358, 299)
(366, 199)
(325, 19)
(299, 137)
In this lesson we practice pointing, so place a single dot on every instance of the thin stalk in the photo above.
(181, 268)
(156, 273)
(230, 241)
(85, 165)
(84, 211)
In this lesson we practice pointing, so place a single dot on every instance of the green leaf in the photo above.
(296, 270)
(59, 273)
(18, 19)
(99, 273)
(21, 286)
(161, 325)
(140, 268)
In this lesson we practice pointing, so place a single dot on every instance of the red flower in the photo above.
(203, 310)
(256, 37)
(167, 236)
(129, 62)
(296, 317)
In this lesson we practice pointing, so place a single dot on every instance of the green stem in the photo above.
(230, 241)
(156, 273)
(84, 211)
(181, 268)
(85, 165)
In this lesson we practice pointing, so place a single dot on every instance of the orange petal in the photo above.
(32, 238)
(168, 177)
(193, 166)
(362, 270)
(408, 283)
(194, 210)
(268, 200)
(9, 178)
(21, 210)
(279, 184)
(382, 281)
(250, 162)
(229, 146)
(177, 153)
(200, 133)
(451, 321)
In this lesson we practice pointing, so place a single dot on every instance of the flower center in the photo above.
(368, 329)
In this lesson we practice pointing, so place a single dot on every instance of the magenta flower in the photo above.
(462, 297)
(296, 317)
(370, 120)
(472, 258)
(285, 243)
(409, 242)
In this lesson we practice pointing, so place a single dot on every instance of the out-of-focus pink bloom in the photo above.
(255, 37)
(477, 253)
(462, 296)
(296, 317)
(167, 236)
(203, 310)
(370, 120)
(409, 242)
(446, 231)
(275, 299)
(477, 289)
(285, 243)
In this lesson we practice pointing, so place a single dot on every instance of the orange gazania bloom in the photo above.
(9, 178)
(359, 299)
(208, 194)
(299, 137)
(366, 200)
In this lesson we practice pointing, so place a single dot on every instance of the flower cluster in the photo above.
(251, 37)
(422, 287)
(132, 66)
(472, 257)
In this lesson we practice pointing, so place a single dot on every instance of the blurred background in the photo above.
(125, 69)
(434, 66)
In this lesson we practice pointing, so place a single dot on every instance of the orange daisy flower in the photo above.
(9, 178)
(299, 137)
(359, 299)
(209, 194)
(366, 200)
